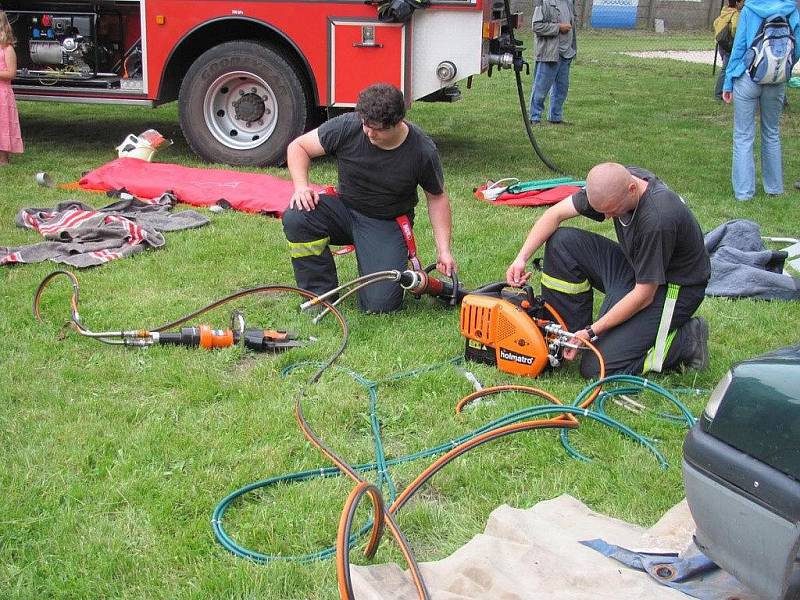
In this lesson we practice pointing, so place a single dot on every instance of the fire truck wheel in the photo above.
(241, 103)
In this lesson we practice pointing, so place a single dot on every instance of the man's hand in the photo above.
(564, 27)
(446, 264)
(516, 275)
(727, 97)
(304, 199)
(571, 353)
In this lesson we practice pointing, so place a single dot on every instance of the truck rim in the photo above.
(240, 110)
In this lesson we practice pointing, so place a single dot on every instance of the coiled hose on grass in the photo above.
(552, 415)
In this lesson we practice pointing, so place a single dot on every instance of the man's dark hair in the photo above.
(732, 3)
(381, 104)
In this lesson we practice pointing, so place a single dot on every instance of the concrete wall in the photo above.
(677, 14)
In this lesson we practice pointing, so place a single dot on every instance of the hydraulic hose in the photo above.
(348, 289)
(362, 486)
(553, 415)
(521, 95)
(357, 283)
(637, 384)
(584, 399)
(385, 516)
(107, 337)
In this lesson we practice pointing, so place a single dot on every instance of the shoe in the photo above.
(696, 353)
(535, 123)
(797, 184)
(559, 123)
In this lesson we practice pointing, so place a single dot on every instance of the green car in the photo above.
(741, 470)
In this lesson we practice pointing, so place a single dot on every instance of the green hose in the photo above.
(637, 384)
(381, 466)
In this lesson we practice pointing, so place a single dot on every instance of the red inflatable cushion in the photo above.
(249, 192)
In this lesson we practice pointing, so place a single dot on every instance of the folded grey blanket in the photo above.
(742, 267)
(81, 236)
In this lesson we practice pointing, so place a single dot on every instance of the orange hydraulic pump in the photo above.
(519, 333)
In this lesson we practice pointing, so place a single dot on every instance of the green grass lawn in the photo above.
(113, 459)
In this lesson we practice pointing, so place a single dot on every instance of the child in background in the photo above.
(10, 136)
(724, 33)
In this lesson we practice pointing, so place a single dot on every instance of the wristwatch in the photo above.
(592, 334)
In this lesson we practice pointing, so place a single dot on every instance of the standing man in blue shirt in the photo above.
(554, 26)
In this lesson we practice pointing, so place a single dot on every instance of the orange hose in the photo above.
(439, 463)
(602, 375)
(565, 420)
(343, 534)
(362, 487)
(557, 316)
(488, 391)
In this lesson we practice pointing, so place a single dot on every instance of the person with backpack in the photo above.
(764, 51)
(724, 32)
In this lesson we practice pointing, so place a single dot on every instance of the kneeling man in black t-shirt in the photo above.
(653, 279)
(381, 160)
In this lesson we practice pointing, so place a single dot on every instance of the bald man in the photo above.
(653, 278)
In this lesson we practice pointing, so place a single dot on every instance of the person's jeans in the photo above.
(552, 78)
(721, 75)
(768, 100)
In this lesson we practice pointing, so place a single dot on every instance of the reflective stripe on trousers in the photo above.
(312, 248)
(566, 287)
(654, 360)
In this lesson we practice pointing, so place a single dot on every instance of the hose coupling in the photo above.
(502, 61)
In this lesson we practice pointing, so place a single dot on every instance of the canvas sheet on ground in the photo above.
(248, 192)
(535, 554)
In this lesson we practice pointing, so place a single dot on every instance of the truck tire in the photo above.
(241, 103)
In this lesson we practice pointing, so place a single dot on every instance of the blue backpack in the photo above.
(771, 56)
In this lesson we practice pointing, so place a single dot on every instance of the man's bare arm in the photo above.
(441, 219)
(541, 231)
(298, 158)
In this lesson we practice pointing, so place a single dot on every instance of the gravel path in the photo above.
(705, 57)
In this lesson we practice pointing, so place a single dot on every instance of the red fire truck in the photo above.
(250, 75)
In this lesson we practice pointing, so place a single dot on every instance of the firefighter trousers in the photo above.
(576, 262)
(380, 246)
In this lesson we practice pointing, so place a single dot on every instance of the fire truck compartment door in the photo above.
(362, 52)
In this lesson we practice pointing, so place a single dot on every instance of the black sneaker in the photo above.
(696, 354)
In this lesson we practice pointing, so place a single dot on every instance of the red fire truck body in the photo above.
(249, 75)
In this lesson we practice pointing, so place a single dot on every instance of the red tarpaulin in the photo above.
(249, 192)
